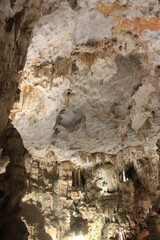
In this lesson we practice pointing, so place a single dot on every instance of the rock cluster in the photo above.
(88, 112)
(17, 19)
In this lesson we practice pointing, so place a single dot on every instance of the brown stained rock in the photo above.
(17, 30)
(36, 62)
(61, 67)
(13, 185)
(88, 59)
(138, 25)
(15, 37)
(109, 9)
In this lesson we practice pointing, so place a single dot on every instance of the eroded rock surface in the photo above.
(17, 19)
(102, 180)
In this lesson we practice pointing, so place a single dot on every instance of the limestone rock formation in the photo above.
(17, 19)
(96, 175)
(70, 119)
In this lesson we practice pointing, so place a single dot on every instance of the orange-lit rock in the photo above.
(138, 25)
(27, 88)
(143, 234)
(36, 61)
(109, 9)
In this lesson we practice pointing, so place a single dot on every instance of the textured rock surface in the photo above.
(17, 19)
(99, 179)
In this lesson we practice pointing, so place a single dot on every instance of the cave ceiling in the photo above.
(87, 109)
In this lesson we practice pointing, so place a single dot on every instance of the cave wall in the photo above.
(99, 177)
(17, 19)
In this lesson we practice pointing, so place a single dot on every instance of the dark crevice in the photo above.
(79, 225)
(132, 174)
(73, 3)
(9, 24)
(12, 2)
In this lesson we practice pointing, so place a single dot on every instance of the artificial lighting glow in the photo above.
(53, 238)
(77, 238)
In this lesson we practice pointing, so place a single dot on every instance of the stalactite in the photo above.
(88, 58)
(125, 179)
(61, 68)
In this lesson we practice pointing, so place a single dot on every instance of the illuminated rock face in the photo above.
(100, 180)
(17, 19)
